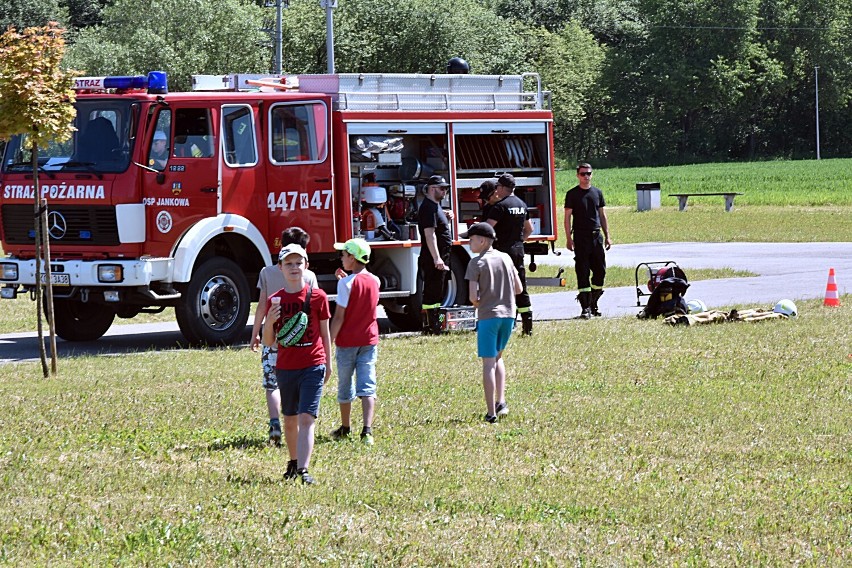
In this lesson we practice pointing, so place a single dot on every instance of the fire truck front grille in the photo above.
(67, 224)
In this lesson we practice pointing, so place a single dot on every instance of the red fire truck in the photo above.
(178, 199)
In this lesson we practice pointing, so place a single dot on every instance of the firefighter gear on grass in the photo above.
(716, 316)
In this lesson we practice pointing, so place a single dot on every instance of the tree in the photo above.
(570, 64)
(181, 37)
(36, 100)
(401, 36)
(21, 14)
(84, 13)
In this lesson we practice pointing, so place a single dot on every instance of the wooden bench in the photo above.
(683, 197)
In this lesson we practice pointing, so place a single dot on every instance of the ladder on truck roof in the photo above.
(397, 91)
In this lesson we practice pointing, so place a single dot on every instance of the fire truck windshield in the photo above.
(102, 142)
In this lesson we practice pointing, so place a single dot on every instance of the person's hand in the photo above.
(328, 371)
(450, 215)
(274, 312)
(255, 343)
(569, 242)
(340, 274)
(607, 243)
(439, 264)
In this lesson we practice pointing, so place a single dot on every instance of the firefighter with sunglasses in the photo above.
(587, 234)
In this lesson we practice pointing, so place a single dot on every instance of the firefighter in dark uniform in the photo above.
(487, 196)
(585, 219)
(511, 222)
(434, 261)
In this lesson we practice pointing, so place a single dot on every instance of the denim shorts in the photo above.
(268, 357)
(301, 390)
(356, 372)
(492, 335)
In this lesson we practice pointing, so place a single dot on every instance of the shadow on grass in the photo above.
(255, 481)
(24, 347)
(242, 442)
(121, 340)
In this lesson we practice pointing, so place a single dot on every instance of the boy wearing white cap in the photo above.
(297, 321)
(269, 281)
(355, 333)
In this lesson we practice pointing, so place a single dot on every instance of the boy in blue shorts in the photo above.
(297, 322)
(355, 334)
(493, 282)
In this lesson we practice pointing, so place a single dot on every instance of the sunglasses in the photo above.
(585, 174)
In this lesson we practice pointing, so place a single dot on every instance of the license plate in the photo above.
(57, 279)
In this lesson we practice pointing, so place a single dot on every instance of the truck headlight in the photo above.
(110, 273)
(8, 271)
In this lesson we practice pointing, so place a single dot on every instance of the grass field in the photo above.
(778, 183)
(629, 442)
(783, 201)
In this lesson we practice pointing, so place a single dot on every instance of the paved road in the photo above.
(793, 270)
(786, 270)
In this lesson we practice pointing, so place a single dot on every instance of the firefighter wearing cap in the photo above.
(511, 222)
(434, 261)
(487, 196)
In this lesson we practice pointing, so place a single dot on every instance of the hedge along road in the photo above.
(786, 270)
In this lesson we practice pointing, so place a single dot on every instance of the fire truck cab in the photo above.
(179, 199)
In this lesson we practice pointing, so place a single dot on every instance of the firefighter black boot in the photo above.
(526, 323)
(585, 299)
(593, 304)
(425, 322)
(432, 322)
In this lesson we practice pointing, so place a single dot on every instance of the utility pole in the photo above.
(277, 64)
(816, 94)
(278, 52)
(328, 5)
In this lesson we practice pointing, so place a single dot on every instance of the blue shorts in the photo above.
(301, 390)
(356, 372)
(268, 357)
(492, 335)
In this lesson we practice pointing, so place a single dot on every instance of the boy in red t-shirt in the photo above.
(303, 365)
(355, 333)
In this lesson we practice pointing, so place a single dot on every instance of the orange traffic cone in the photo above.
(831, 298)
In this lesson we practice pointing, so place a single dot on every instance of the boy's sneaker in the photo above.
(491, 418)
(291, 470)
(340, 434)
(275, 432)
(367, 439)
(307, 478)
(502, 409)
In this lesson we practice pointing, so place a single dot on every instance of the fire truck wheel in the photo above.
(79, 321)
(215, 307)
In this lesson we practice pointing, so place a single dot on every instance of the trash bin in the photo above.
(647, 195)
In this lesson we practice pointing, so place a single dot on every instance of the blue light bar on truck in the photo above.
(156, 83)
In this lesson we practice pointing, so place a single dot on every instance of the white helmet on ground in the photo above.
(786, 307)
(696, 306)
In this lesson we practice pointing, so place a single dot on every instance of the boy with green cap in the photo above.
(355, 333)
